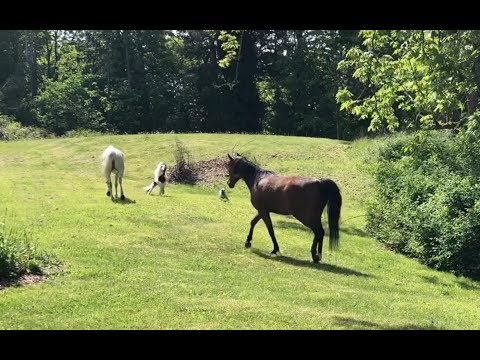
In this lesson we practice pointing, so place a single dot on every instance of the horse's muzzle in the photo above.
(230, 185)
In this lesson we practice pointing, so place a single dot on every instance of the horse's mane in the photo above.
(254, 166)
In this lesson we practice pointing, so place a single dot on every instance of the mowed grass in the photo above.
(179, 262)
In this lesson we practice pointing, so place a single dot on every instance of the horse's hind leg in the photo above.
(250, 233)
(268, 222)
(122, 196)
(116, 185)
(109, 187)
(317, 244)
(313, 221)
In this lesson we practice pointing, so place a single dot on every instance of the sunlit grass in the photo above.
(178, 262)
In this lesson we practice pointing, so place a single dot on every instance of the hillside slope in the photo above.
(178, 262)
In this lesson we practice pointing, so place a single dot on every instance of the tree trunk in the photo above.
(127, 58)
(49, 53)
(55, 54)
(472, 99)
(31, 55)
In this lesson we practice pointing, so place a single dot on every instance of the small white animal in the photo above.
(158, 179)
(222, 194)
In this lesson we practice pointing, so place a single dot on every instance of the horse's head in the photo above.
(163, 167)
(239, 168)
(233, 173)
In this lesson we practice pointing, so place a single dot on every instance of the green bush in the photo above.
(426, 204)
(13, 130)
(18, 255)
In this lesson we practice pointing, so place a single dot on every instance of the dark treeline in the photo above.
(131, 81)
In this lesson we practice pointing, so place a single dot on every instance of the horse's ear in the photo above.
(230, 157)
(239, 155)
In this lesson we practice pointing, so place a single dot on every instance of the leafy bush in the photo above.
(73, 101)
(426, 204)
(13, 130)
(183, 171)
(18, 255)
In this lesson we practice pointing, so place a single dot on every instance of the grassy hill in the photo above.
(178, 262)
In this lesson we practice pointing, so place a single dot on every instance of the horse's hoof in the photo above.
(275, 253)
(248, 245)
(316, 260)
(122, 197)
(108, 193)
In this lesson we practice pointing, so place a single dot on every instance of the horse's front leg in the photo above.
(250, 233)
(268, 222)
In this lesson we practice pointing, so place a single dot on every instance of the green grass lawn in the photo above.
(179, 262)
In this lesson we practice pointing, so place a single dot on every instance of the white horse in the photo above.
(113, 160)
(158, 179)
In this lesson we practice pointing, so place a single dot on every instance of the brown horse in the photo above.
(304, 198)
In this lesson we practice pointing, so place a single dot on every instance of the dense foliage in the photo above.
(130, 81)
(427, 203)
(427, 199)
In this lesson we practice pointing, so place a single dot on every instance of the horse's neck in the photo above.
(251, 179)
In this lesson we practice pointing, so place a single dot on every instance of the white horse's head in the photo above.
(163, 167)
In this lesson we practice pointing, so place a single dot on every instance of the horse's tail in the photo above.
(108, 163)
(108, 160)
(330, 191)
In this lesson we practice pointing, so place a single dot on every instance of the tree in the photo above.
(416, 79)
(71, 101)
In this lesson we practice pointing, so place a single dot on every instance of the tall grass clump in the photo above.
(19, 255)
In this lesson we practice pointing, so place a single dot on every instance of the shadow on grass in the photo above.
(309, 264)
(435, 281)
(431, 279)
(285, 224)
(354, 231)
(363, 324)
(468, 284)
(292, 225)
(126, 201)
(17, 280)
(465, 284)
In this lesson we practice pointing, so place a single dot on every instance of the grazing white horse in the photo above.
(113, 160)
(158, 179)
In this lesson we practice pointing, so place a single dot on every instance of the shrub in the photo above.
(426, 204)
(13, 130)
(18, 254)
(183, 171)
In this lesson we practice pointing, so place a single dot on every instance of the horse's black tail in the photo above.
(330, 192)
